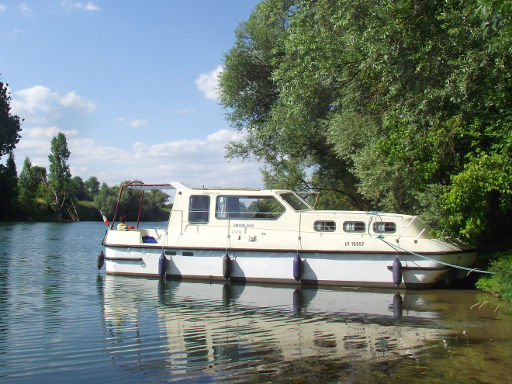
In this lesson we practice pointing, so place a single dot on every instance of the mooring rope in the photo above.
(398, 248)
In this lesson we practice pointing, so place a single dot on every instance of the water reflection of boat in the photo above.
(223, 326)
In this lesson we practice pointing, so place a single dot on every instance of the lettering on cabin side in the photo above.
(354, 243)
(239, 225)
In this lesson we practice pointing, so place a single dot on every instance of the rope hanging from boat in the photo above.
(398, 248)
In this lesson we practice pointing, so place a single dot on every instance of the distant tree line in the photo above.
(53, 194)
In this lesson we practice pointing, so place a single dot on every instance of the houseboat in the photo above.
(274, 236)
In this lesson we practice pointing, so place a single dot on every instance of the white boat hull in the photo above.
(338, 269)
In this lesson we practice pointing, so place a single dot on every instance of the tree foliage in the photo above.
(152, 206)
(8, 188)
(92, 187)
(79, 188)
(60, 185)
(31, 189)
(391, 105)
(9, 137)
(9, 124)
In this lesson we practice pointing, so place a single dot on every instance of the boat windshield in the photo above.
(295, 201)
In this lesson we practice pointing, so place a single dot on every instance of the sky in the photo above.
(131, 83)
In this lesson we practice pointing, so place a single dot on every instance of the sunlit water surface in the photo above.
(63, 321)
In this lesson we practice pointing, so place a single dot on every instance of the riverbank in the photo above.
(500, 283)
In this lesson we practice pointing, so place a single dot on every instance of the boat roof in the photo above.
(147, 187)
(178, 185)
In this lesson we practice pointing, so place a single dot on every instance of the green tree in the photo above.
(92, 187)
(60, 186)
(32, 191)
(9, 137)
(287, 136)
(152, 208)
(8, 188)
(105, 199)
(9, 124)
(392, 105)
(79, 188)
(27, 188)
(154, 201)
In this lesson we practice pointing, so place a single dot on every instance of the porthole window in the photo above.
(384, 227)
(325, 226)
(354, 226)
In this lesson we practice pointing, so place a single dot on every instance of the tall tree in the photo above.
(399, 105)
(26, 188)
(8, 188)
(62, 198)
(9, 124)
(9, 137)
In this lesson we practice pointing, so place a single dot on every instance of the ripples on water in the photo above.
(62, 321)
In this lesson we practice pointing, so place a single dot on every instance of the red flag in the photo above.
(104, 218)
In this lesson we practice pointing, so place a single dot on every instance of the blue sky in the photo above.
(131, 84)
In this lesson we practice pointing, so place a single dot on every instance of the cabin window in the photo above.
(325, 226)
(295, 201)
(199, 209)
(248, 207)
(354, 226)
(384, 227)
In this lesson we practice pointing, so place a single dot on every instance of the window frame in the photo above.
(241, 215)
(292, 202)
(198, 211)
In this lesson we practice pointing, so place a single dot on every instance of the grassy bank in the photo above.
(499, 284)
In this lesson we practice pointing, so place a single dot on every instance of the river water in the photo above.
(63, 321)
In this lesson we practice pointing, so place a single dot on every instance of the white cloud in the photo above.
(39, 104)
(34, 104)
(134, 123)
(72, 100)
(89, 6)
(208, 83)
(36, 141)
(2, 7)
(222, 137)
(25, 10)
(210, 148)
(198, 161)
